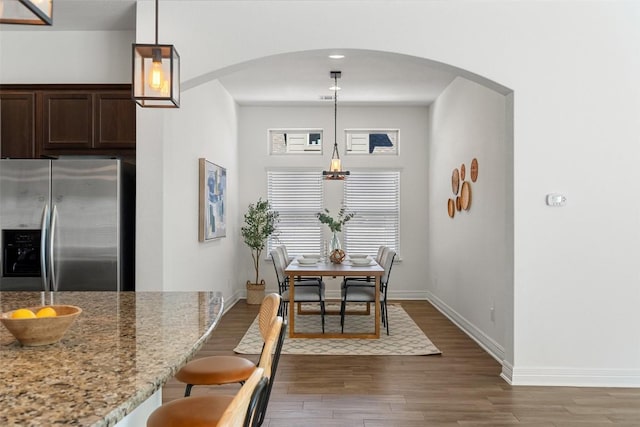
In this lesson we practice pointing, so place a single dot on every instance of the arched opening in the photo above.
(446, 117)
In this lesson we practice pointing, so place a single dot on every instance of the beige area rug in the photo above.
(405, 338)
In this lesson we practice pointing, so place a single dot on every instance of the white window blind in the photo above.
(375, 198)
(297, 196)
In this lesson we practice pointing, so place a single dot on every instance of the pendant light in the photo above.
(335, 171)
(156, 74)
(26, 12)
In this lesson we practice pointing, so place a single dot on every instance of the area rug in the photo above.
(405, 338)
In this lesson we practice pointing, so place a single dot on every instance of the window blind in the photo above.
(297, 196)
(375, 198)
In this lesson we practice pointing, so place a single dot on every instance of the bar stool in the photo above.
(218, 410)
(218, 370)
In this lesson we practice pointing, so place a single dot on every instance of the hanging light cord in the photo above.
(156, 21)
(335, 117)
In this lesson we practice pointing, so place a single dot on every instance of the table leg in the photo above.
(292, 307)
(377, 307)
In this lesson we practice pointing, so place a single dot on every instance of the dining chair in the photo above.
(243, 409)
(305, 291)
(220, 369)
(363, 291)
(382, 250)
(312, 281)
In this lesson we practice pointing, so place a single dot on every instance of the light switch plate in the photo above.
(555, 199)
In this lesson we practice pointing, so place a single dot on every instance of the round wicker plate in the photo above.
(465, 196)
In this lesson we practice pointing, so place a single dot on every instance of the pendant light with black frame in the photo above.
(26, 12)
(156, 74)
(335, 171)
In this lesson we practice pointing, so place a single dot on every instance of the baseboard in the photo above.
(507, 372)
(571, 377)
(494, 349)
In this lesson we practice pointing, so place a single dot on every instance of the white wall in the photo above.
(173, 259)
(573, 68)
(65, 56)
(408, 276)
(469, 254)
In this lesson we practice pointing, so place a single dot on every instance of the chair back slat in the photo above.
(236, 413)
(268, 312)
(276, 257)
(387, 263)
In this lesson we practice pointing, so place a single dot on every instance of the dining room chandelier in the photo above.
(335, 171)
(26, 12)
(156, 74)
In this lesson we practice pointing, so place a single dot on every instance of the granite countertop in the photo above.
(121, 349)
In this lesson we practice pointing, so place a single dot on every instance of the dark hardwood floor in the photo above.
(461, 387)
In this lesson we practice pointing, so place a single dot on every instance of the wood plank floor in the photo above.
(461, 387)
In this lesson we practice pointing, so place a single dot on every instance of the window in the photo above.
(372, 141)
(297, 196)
(375, 198)
(288, 141)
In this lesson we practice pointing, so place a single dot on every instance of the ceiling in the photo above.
(368, 77)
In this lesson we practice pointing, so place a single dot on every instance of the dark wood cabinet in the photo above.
(67, 119)
(17, 124)
(115, 125)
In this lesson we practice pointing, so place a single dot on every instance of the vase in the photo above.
(335, 243)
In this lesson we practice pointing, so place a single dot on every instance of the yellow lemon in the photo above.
(23, 313)
(46, 312)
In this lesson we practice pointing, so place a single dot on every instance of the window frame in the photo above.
(311, 146)
(307, 209)
(357, 241)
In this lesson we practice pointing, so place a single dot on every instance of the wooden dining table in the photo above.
(324, 269)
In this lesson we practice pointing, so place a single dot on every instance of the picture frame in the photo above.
(212, 201)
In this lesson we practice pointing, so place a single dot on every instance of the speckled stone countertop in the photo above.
(121, 349)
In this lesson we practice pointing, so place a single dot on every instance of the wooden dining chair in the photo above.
(363, 291)
(219, 369)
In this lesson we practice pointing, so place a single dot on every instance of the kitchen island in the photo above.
(114, 358)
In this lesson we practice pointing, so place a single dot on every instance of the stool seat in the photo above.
(215, 370)
(193, 411)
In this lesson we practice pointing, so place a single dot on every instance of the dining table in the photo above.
(329, 269)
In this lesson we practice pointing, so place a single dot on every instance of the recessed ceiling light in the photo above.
(336, 56)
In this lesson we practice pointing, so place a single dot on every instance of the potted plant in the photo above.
(335, 225)
(260, 222)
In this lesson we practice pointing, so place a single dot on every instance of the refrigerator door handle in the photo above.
(52, 234)
(44, 231)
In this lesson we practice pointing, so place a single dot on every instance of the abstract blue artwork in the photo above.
(213, 194)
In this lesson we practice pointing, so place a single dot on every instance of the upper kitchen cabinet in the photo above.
(72, 119)
(17, 124)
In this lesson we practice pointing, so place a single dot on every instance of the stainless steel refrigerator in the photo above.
(67, 224)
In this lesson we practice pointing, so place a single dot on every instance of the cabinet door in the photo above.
(17, 125)
(115, 120)
(67, 120)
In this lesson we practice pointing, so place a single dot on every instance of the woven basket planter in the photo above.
(255, 292)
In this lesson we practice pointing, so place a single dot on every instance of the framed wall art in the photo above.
(213, 199)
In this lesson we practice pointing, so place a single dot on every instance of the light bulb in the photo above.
(165, 88)
(156, 76)
(335, 165)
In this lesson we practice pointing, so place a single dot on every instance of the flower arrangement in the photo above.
(335, 224)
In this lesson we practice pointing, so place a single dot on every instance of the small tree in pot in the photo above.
(260, 222)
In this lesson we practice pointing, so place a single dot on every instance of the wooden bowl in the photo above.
(41, 330)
